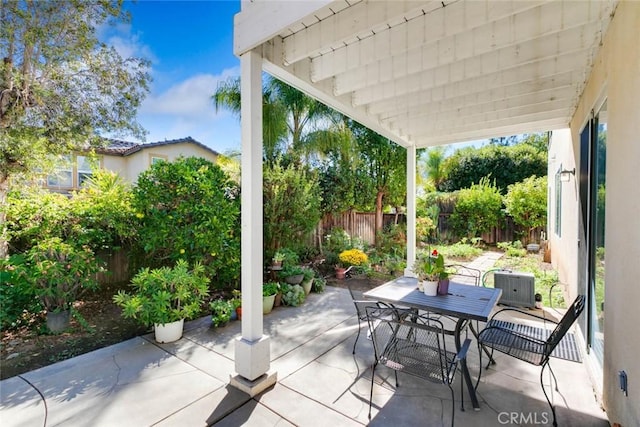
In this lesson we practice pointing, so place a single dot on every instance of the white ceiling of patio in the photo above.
(433, 72)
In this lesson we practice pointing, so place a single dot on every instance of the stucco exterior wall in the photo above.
(129, 167)
(564, 247)
(616, 76)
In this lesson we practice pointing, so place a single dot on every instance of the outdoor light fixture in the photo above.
(565, 174)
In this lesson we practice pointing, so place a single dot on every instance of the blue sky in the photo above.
(190, 46)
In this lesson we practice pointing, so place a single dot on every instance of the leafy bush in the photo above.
(461, 250)
(270, 288)
(291, 205)
(425, 229)
(506, 165)
(293, 295)
(512, 249)
(221, 312)
(165, 295)
(102, 215)
(319, 285)
(189, 209)
(34, 214)
(59, 272)
(477, 210)
(17, 296)
(526, 202)
(337, 240)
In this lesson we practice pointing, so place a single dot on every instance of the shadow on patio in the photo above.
(320, 382)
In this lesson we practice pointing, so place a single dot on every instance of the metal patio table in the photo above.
(464, 302)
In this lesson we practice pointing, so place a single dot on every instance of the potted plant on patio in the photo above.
(350, 258)
(431, 270)
(59, 273)
(221, 311)
(292, 274)
(293, 295)
(165, 297)
(269, 291)
(276, 261)
(307, 280)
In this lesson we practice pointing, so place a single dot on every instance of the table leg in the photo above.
(487, 352)
(460, 325)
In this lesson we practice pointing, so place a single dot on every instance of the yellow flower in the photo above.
(181, 251)
(353, 257)
(139, 215)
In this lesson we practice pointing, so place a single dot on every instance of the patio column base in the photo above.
(255, 387)
(252, 357)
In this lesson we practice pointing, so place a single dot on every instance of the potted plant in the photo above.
(293, 295)
(307, 279)
(221, 311)
(350, 258)
(276, 261)
(319, 284)
(431, 270)
(59, 274)
(269, 291)
(236, 302)
(164, 297)
(292, 274)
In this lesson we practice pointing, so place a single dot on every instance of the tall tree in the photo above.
(59, 85)
(383, 165)
(430, 166)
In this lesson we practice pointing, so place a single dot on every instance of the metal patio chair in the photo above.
(413, 344)
(517, 343)
(462, 274)
(361, 304)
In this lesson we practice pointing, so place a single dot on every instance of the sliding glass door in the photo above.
(591, 254)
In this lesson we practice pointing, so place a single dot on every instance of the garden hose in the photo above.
(491, 270)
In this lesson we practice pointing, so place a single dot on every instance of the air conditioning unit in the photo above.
(518, 288)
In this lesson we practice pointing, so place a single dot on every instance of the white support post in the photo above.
(252, 350)
(411, 209)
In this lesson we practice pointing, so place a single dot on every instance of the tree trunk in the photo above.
(379, 197)
(4, 188)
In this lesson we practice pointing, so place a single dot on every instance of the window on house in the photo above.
(83, 167)
(156, 159)
(63, 176)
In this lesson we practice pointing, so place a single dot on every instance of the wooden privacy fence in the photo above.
(363, 225)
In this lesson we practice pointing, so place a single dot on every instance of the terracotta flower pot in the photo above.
(340, 273)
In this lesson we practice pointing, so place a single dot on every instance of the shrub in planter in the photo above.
(221, 311)
(59, 273)
(292, 274)
(293, 295)
(319, 285)
(165, 295)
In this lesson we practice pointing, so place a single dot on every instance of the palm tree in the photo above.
(430, 166)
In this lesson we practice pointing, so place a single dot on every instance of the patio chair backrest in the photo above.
(564, 325)
(462, 274)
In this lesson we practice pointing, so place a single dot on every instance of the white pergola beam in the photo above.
(449, 74)
(557, 97)
(463, 93)
(490, 121)
(297, 75)
(359, 21)
(436, 58)
(488, 28)
(260, 21)
(446, 137)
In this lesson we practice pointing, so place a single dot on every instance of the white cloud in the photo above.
(126, 43)
(189, 99)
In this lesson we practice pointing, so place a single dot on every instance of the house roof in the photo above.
(424, 72)
(125, 148)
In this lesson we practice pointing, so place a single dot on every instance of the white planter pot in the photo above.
(267, 304)
(169, 332)
(430, 288)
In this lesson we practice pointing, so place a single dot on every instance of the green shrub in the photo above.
(270, 288)
(319, 285)
(512, 249)
(477, 209)
(189, 209)
(35, 214)
(221, 312)
(59, 272)
(526, 202)
(165, 295)
(293, 295)
(18, 299)
(460, 250)
(291, 205)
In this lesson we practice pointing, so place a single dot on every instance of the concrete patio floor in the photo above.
(320, 382)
